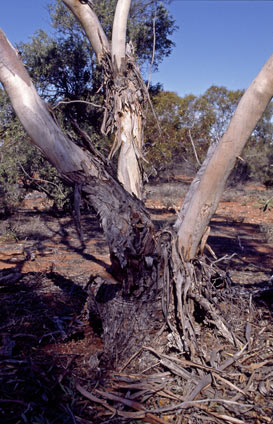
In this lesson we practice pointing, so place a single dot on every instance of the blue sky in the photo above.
(218, 42)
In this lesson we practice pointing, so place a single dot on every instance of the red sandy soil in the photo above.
(46, 243)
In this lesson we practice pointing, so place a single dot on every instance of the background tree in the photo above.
(164, 132)
(127, 125)
(125, 92)
(192, 123)
(22, 167)
(258, 154)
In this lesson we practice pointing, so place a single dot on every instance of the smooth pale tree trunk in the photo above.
(119, 32)
(206, 189)
(124, 96)
(35, 116)
(91, 25)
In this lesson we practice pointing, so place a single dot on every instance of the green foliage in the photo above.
(256, 160)
(267, 204)
(200, 121)
(139, 29)
(22, 166)
(59, 68)
(217, 106)
(149, 22)
(164, 137)
(64, 70)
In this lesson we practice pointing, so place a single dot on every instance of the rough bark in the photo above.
(206, 189)
(126, 224)
(124, 115)
(145, 267)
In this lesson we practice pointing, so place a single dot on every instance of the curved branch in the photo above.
(34, 114)
(206, 189)
(91, 25)
(67, 102)
(119, 31)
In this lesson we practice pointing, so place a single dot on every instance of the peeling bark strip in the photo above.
(125, 99)
(139, 261)
(126, 93)
(206, 189)
(126, 224)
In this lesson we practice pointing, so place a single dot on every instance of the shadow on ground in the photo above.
(46, 343)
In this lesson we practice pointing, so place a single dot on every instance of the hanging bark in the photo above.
(125, 91)
(200, 204)
(126, 224)
(125, 99)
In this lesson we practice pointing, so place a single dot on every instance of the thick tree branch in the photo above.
(34, 115)
(119, 32)
(206, 189)
(91, 25)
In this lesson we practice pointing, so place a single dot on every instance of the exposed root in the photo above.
(191, 290)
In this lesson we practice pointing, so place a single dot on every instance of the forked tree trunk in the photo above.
(125, 90)
(143, 265)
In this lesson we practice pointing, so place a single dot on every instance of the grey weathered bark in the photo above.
(124, 113)
(206, 189)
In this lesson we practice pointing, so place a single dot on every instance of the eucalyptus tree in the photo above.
(145, 264)
(94, 76)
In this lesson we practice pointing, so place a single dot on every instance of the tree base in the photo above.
(219, 382)
(125, 322)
